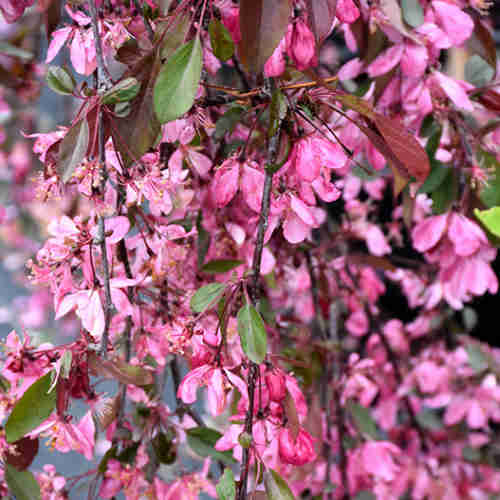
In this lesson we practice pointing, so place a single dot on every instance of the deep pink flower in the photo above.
(301, 45)
(297, 451)
(14, 9)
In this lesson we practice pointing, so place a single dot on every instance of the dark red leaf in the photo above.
(21, 453)
(263, 24)
(490, 99)
(321, 15)
(52, 17)
(135, 133)
(481, 42)
(404, 146)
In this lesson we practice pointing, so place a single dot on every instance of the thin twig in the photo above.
(103, 83)
(102, 75)
(101, 236)
(253, 370)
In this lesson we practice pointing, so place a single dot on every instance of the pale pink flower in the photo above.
(380, 459)
(455, 22)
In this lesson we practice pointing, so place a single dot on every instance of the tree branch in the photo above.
(272, 152)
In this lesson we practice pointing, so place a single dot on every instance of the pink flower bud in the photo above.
(301, 46)
(275, 382)
(296, 452)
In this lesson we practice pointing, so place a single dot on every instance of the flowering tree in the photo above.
(221, 220)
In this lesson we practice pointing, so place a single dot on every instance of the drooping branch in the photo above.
(272, 153)
(103, 83)
(102, 75)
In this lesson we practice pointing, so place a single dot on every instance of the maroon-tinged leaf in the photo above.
(481, 42)
(291, 414)
(73, 149)
(134, 136)
(120, 370)
(263, 24)
(52, 17)
(21, 453)
(221, 41)
(397, 167)
(404, 146)
(490, 99)
(321, 14)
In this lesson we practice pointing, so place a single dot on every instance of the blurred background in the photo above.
(28, 106)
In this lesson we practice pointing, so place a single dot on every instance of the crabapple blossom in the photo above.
(268, 246)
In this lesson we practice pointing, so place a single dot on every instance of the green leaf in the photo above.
(60, 80)
(490, 219)
(4, 384)
(264, 308)
(276, 487)
(477, 359)
(34, 407)
(220, 266)
(445, 193)
(124, 91)
(226, 487)
(206, 296)
(73, 149)
(471, 454)
(227, 122)
(363, 419)
(433, 142)
(429, 126)
(365, 495)
(477, 71)
(429, 419)
(490, 193)
(413, 14)
(175, 36)
(263, 24)
(221, 41)
(469, 318)
(177, 83)
(164, 447)
(203, 242)
(14, 51)
(252, 333)
(202, 441)
(439, 172)
(278, 110)
(22, 484)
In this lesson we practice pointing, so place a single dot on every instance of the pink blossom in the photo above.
(298, 451)
(276, 64)
(12, 10)
(347, 12)
(456, 23)
(380, 459)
